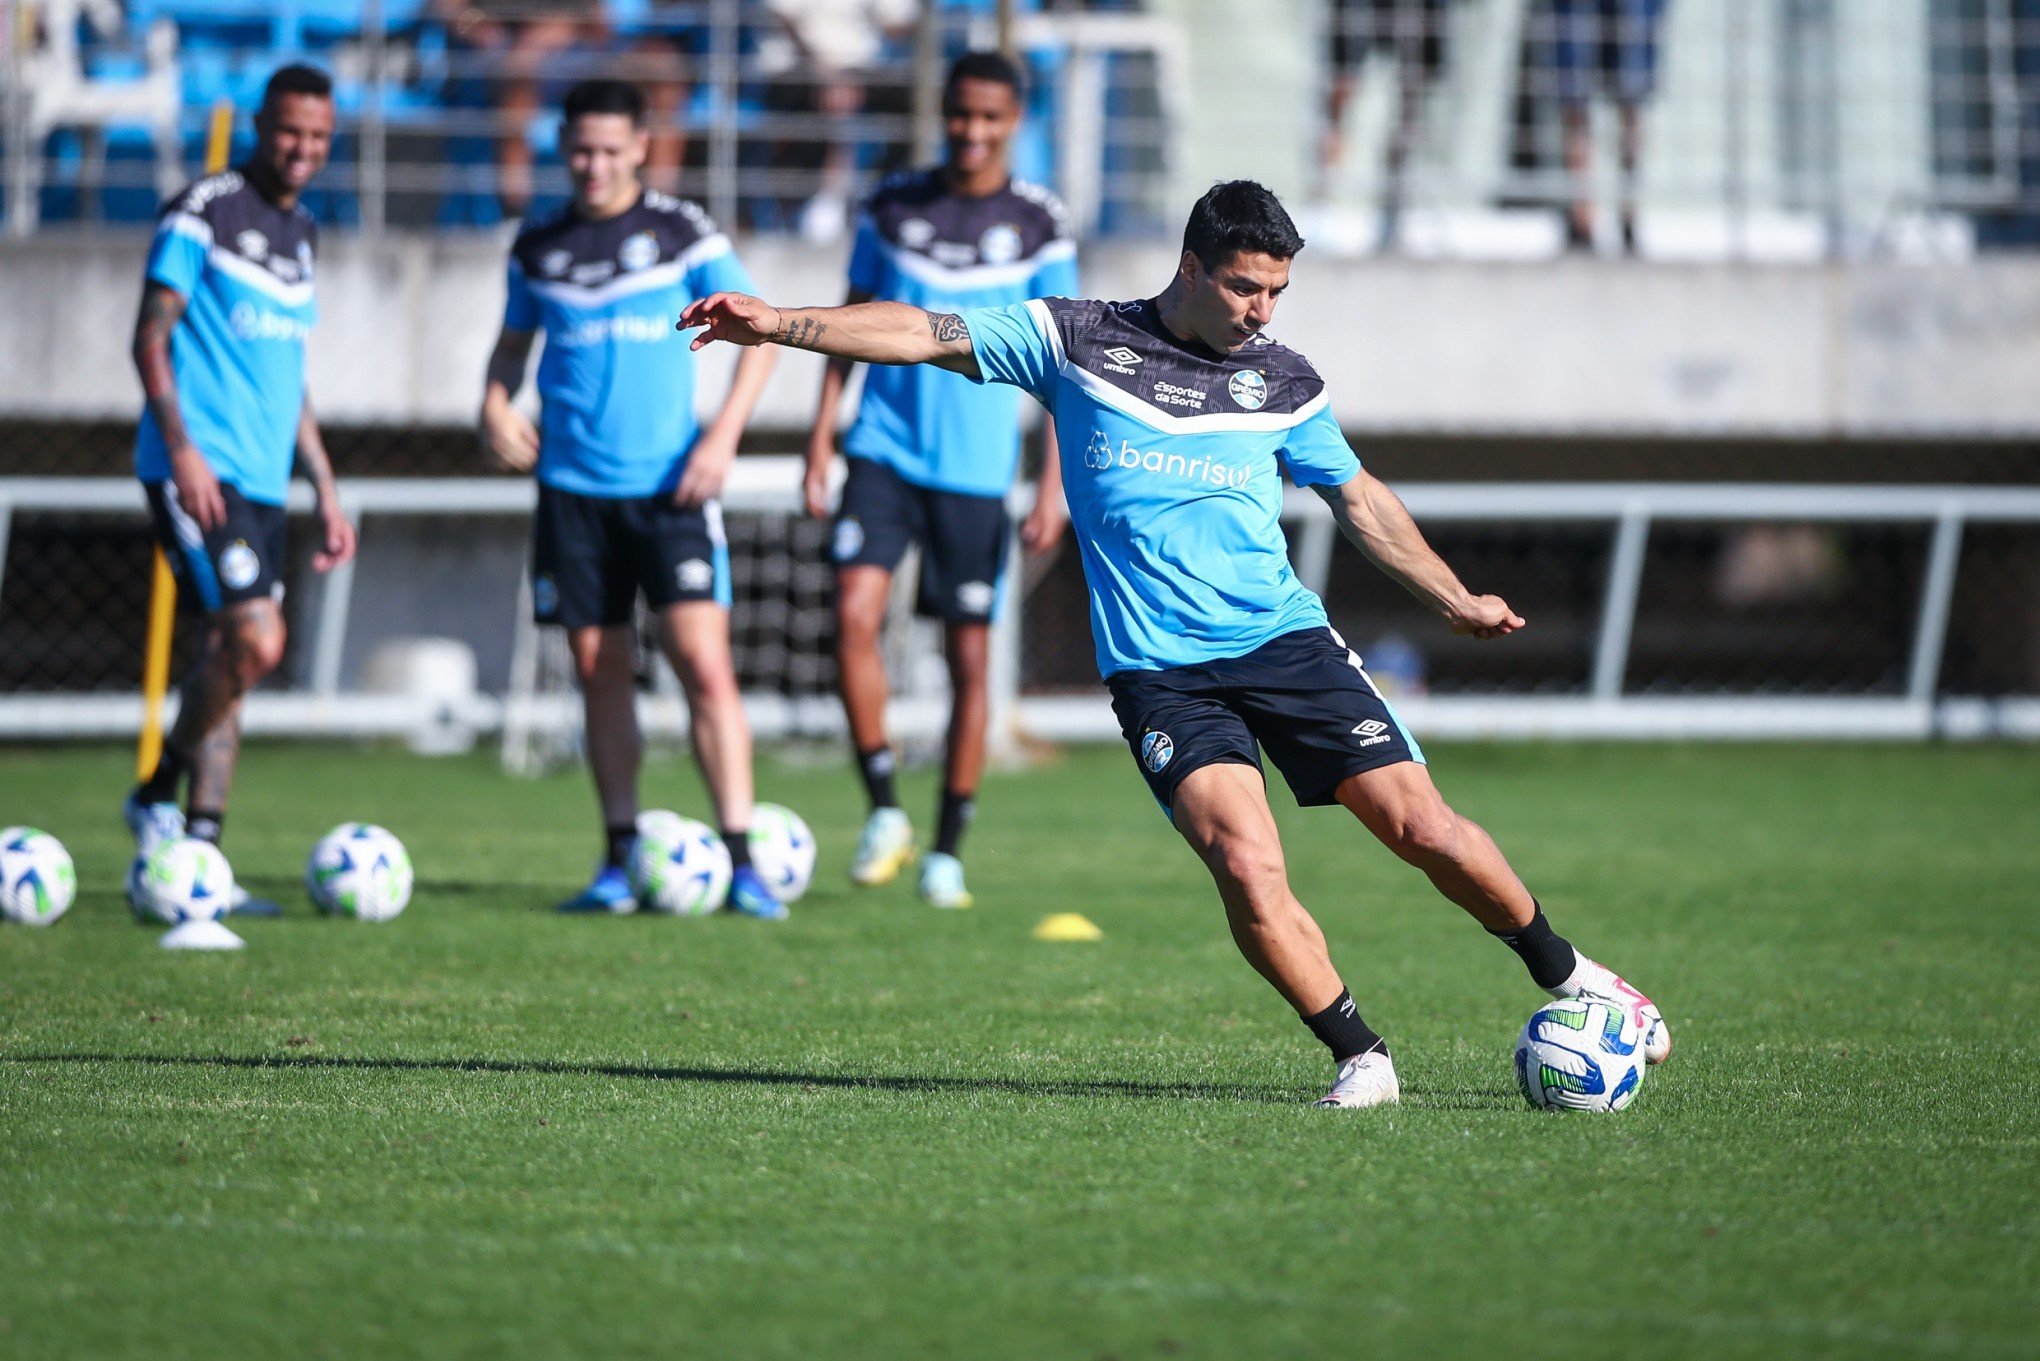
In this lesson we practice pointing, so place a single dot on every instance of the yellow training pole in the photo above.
(219, 140)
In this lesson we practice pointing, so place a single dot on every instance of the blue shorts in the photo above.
(1609, 42)
(962, 538)
(1303, 696)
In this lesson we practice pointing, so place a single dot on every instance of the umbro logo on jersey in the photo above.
(253, 244)
(1119, 359)
(1372, 732)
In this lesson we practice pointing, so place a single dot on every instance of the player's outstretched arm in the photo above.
(1379, 525)
(870, 332)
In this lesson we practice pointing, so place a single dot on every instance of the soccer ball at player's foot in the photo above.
(782, 850)
(359, 870)
(37, 882)
(685, 875)
(1581, 1054)
(180, 880)
(660, 822)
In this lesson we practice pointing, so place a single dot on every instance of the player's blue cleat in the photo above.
(609, 891)
(151, 822)
(750, 896)
(245, 904)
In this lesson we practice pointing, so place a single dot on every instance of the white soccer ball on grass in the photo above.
(683, 871)
(782, 850)
(37, 880)
(1581, 1054)
(359, 870)
(181, 879)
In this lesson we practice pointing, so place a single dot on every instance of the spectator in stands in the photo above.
(1413, 32)
(821, 61)
(517, 44)
(1611, 44)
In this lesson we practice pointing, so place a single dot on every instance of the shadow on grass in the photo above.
(752, 1077)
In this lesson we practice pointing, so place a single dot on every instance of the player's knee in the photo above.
(253, 649)
(1427, 833)
(858, 629)
(601, 669)
(1254, 867)
(712, 685)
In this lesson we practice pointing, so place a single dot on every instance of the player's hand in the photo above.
(708, 466)
(814, 483)
(1044, 525)
(1486, 616)
(737, 318)
(509, 437)
(198, 487)
(339, 542)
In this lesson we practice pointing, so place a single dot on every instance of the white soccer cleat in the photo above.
(942, 882)
(1602, 981)
(1364, 1080)
(884, 849)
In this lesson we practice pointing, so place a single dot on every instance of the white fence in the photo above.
(322, 707)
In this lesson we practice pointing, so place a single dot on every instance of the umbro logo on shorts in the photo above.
(695, 574)
(1371, 732)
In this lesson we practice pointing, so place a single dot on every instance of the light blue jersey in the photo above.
(244, 268)
(1172, 458)
(923, 244)
(616, 380)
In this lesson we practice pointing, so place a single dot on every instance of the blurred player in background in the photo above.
(1612, 46)
(1413, 33)
(931, 455)
(627, 480)
(1179, 412)
(220, 347)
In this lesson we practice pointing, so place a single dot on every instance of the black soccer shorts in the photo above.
(592, 555)
(1303, 696)
(963, 540)
(242, 559)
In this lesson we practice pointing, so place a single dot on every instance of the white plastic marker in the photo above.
(201, 935)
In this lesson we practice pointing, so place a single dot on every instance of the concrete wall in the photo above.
(1564, 346)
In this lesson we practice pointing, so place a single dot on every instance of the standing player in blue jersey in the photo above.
(220, 347)
(1186, 412)
(931, 454)
(627, 479)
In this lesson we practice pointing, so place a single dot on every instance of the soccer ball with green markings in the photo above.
(681, 869)
(181, 879)
(783, 850)
(1581, 1054)
(359, 870)
(37, 882)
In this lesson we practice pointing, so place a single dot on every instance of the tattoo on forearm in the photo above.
(162, 309)
(948, 327)
(803, 333)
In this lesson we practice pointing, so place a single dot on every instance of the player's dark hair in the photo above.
(297, 79)
(604, 96)
(1239, 217)
(995, 67)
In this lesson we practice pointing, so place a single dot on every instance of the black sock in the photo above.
(205, 824)
(738, 840)
(877, 769)
(620, 837)
(1343, 1032)
(955, 815)
(161, 787)
(1548, 956)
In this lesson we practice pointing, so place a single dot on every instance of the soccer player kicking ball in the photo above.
(931, 454)
(1184, 410)
(627, 481)
(220, 346)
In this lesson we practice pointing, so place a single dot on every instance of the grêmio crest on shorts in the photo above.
(1172, 457)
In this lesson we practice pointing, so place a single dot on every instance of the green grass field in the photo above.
(877, 1130)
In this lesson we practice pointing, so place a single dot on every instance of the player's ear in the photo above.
(1190, 269)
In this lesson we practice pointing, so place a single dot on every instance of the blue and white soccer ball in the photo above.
(181, 879)
(684, 872)
(782, 850)
(661, 822)
(359, 870)
(1581, 1054)
(37, 880)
